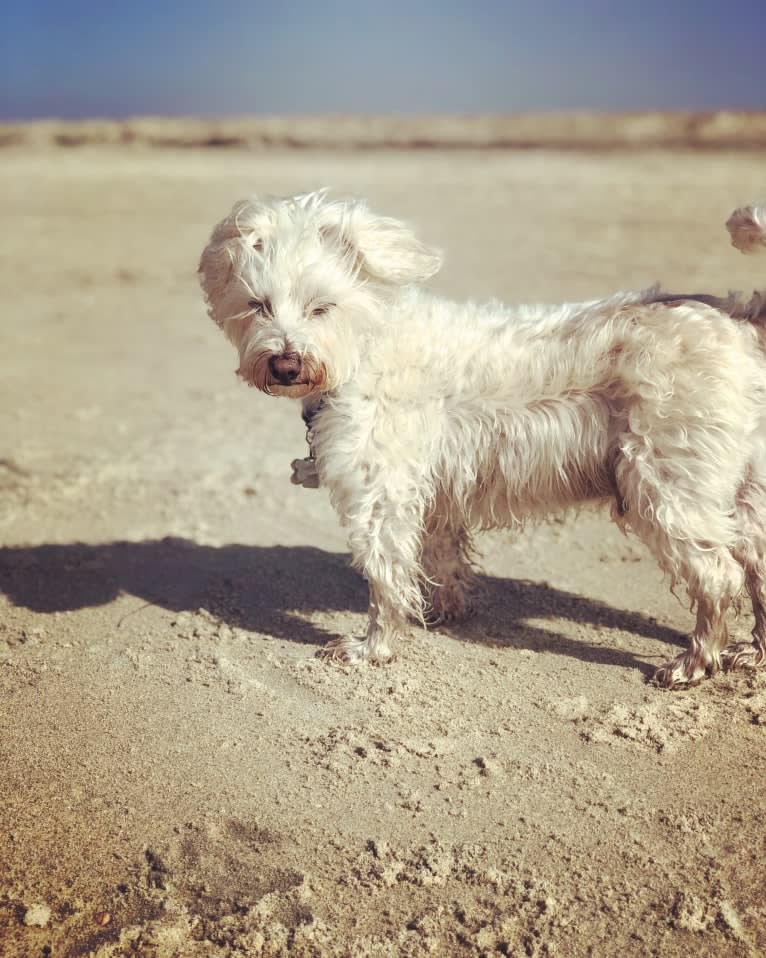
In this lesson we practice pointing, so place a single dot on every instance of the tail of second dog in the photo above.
(747, 227)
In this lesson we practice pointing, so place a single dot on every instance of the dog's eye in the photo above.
(321, 308)
(260, 306)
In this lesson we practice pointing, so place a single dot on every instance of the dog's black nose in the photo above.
(285, 368)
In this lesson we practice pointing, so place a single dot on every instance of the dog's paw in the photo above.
(351, 651)
(448, 604)
(683, 672)
(743, 655)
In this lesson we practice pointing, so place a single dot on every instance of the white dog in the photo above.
(431, 419)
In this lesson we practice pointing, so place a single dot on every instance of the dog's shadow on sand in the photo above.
(275, 590)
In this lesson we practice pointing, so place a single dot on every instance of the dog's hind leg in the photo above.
(713, 581)
(688, 532)
(751, 655)
(448, 573)
(750, 552)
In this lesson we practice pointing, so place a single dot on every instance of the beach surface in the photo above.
(180, 776)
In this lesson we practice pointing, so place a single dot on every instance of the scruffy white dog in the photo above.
(431, 419)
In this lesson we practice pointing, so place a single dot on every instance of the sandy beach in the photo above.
(180, 776)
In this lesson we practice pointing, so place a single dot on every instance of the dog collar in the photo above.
(309, 415)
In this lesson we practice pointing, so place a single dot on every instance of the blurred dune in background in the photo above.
(580, 130)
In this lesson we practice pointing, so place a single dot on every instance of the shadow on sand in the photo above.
(273, 590)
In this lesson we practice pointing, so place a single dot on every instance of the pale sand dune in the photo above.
(722, 129)
(180, 776)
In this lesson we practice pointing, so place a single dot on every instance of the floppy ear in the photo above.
(384, 248)
(233, 241)
(215, 271)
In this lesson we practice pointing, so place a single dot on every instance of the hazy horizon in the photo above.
(199, 59)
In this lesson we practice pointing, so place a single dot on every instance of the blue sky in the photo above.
(84, 59)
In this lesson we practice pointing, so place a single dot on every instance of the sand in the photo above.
(179, 775)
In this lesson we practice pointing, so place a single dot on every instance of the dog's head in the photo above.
(296, 283)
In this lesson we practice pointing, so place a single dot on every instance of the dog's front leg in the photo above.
(385, 545)
(378, 645)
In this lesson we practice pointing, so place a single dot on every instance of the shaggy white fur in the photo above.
(431, 419)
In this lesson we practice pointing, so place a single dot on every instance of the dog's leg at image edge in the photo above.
(712, 576)
(750, 552)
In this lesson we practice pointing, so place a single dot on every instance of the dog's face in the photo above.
(296, 283)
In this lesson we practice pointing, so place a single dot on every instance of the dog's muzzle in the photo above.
(285, 369)
(290, 373)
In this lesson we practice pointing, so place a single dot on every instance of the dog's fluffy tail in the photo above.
(747, 227)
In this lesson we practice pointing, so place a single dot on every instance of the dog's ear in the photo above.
(234, 239)
(215, 270)
(385, 249)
